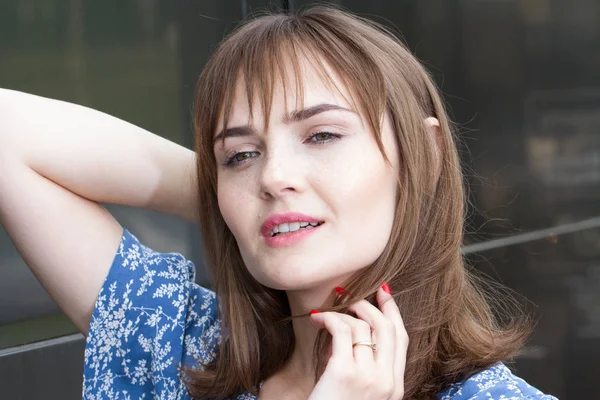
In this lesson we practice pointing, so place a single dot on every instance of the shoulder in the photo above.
(150, 318)
(495, 382)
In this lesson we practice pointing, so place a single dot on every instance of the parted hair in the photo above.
(457, 324)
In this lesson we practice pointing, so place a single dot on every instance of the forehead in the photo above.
(293, 87)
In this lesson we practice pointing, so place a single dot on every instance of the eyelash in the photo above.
(231, 163)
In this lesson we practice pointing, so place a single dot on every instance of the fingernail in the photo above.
(340, 290)
(314, 312)
(386, 288)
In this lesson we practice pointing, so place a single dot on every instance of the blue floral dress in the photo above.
(151, 318)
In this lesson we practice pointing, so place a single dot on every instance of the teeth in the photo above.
(284, 228)
(292, 227)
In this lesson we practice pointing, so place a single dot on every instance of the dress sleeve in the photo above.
(494, 383)
(150, 317)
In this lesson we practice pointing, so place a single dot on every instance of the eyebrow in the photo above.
(294, 116)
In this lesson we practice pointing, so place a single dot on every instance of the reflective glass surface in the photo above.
(562, 287)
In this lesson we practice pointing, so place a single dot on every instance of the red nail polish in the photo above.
(340, 290)
(386, 288)
(314, 312)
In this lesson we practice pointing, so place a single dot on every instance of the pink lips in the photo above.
(289, 238)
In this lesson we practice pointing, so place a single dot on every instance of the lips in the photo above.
(285, 218)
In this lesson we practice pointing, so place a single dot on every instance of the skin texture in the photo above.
(339, 177)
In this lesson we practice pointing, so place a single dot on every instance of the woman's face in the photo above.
(316, 164)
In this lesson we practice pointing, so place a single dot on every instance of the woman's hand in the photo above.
(358, 371)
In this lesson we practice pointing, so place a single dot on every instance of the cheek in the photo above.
(231, 204)
(372, 208)
(364, 201)
(361, 181)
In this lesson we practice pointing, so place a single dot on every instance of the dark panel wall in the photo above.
(47, 370)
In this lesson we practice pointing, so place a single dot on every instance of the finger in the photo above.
(384, 332)
(341, 336)
(361, 332)
(389, 308)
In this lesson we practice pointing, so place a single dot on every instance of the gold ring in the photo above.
(372, 345)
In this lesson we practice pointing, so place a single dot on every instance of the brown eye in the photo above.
(243, 156)
(240, 158)
(323, 137)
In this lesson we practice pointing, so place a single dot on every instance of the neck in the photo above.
(296, 379)
(301, 363)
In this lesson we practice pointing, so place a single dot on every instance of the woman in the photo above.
(330, 202)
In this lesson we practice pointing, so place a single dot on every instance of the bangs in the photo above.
(278, 50)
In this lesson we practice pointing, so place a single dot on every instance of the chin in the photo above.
(298, 276)
(288, 280)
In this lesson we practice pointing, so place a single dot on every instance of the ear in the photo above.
(432, 125)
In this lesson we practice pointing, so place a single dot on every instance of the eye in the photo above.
(323, 137)
(240, 158)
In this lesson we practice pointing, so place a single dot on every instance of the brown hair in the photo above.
(453, 329)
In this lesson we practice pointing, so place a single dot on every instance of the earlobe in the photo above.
(432, 122)
(433, 128)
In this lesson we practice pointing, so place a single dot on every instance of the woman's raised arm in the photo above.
(57, 162)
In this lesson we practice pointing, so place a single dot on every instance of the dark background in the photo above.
(521, 79)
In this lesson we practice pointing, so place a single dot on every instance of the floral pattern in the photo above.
(494, 383)
(151, 318)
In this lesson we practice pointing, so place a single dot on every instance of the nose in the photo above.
(282, 174)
